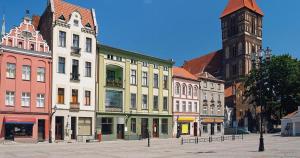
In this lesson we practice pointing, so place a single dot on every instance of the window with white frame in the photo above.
(183, 89)
(40, 100)
(165, 103)
(183, 106)
(133, 77)
(177, 88)
(145, 64)
(205, 84)
(219, 86)
(62, 39)
(26, 72)
(195, 91)
(145, 102)
(166, 79)
(204, 96)
(212, 109)
(88, 45)
(212, 85)
(205, 110)
(88, 69)
(41, 74)
(10, 70)
(196, 106)
(177, 106)
(25, 99)
(145, 79)
(10, 98)
(155, 80)
(190, 107)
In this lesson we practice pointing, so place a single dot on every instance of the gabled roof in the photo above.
(235, 5)
(210, 63)
(182, 73)
(66, 9)
(292, 115)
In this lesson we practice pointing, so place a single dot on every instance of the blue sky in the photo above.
(177, 29)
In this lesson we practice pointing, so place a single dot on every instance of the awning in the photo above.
(219, 121)
(186, 119)
(19, 120)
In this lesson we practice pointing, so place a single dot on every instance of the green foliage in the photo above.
(280, 86)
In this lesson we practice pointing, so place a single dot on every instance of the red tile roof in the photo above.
(182, 73)
(66, 9)
(210, 63)
(234, 5)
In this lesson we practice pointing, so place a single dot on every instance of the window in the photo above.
(196, 106)
(132, 61)
(164, 126)
(183, 106)
(75, 41)
(219, 109)
(212, 109)
(190, 90)
(155, 103)
(61, 96)
(219, 86)
(40, 100)
(84, 126)
(145, 64)
(184, 89)
(25, 99)
(114, 100)
(88, 69)
(205, 129)
(74, 98)
(11, 70)
(155, 66)
(166, 68)
(165, 104)
(107, 125)
(145, 79)
(133, 100)
(119, 58)
(155, 83)
(205, 112)
(212, 85)
(20, 45)
(111, 57)
(10, 98)
(195, 91)
(87, 98)
(219, 127)
(62, 39)
(177, 106)
(177, 89)
(40, 74)
(21, 130)
(133, 77)
(133, 125)
(205, 84)
(61, 65)
(219, 98)
(145, 102)
(26, 72)
(190, 107)
(31, 46)
(204, 96)
(76, 23)
(166, 82)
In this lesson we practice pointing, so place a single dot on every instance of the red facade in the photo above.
(25, 73)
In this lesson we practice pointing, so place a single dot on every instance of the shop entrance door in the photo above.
(212, 129)
(41, 130)
(9, 132)
(59, 128)
(120, 131)
(144, 129)
(155, 128)
(195, 129)
(73, 127)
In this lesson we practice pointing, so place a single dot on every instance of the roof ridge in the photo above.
(62, 1)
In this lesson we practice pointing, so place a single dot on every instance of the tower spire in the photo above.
(2, 28)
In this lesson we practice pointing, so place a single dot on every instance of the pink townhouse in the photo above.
(25, 81)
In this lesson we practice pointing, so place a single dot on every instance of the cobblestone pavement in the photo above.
(276, 147)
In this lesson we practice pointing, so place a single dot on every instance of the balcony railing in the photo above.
(113, 108)
(114, 83)
(74, 77)
(75, 51)
(74, 107)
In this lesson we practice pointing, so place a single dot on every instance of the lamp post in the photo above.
(50, 128)
(257, 59)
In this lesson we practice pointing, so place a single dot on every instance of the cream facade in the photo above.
(134, 95)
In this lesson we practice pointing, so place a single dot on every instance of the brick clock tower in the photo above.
(241, 35)
(241, 23)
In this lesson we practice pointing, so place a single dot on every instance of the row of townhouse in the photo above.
(59, 84)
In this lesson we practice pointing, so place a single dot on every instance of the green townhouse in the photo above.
(134, 95)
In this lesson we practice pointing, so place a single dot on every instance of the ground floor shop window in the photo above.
(85, 126)
(133, 125)
(107, 125)
(164, 126)
(219, 125)
(205, 129)
(18, 130)
(185, 128)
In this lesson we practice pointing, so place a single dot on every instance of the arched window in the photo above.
(183, 89)
(195, 91)
(177, 89)
(190, 90)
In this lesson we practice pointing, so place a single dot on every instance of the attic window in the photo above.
(88, 25)
(62, 18)
(76, 23)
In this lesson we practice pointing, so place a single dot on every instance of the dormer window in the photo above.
(76, 23)
(88, 25)
(62, 18)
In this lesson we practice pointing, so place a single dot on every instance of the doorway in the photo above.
(73, 127)
(59, 128)
(195, 129)
(41, 130)
(212, 129)
(144, 128)
(155, 128)
(120, 131)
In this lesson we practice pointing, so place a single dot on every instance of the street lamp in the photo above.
(50, 128)
(257, 59)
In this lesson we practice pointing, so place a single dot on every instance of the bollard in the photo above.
(149, 139)
(197, 140)
(182, 141)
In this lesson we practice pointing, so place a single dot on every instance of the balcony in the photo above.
(74, 107)
(74, 77)
(75, 51)
(114, 83)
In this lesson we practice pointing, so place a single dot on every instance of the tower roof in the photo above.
(235, 5)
